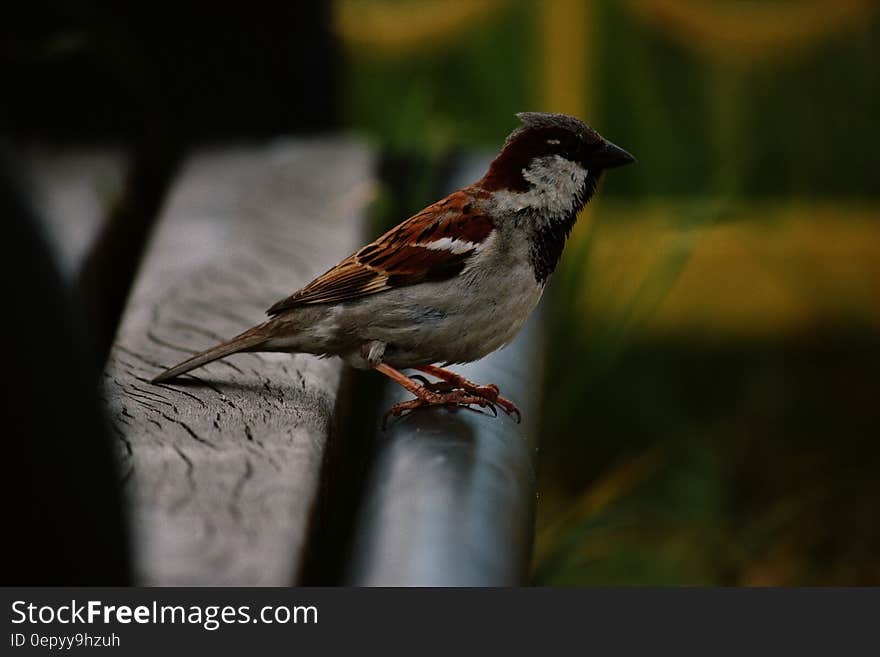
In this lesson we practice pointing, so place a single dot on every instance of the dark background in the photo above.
(710, 399)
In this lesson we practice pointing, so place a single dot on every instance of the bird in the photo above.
(452, 283)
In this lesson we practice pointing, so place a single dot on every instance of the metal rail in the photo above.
(449, 499)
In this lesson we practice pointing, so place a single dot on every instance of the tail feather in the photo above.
(247, 341)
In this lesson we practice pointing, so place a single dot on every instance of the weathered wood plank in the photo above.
(73, 191)
(223, 471)
(450, 497)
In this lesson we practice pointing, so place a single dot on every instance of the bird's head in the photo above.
(548, 146)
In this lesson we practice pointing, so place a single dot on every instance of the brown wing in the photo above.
(430, 246)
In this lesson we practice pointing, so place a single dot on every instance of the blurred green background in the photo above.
(711, 396)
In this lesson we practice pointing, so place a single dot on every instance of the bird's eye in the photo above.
(553, 142)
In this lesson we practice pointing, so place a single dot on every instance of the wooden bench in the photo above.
(228, 472)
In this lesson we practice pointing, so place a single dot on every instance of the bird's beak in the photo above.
(610, 156)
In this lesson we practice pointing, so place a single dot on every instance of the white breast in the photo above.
(457, 320)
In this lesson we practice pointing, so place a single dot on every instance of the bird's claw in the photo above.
(510, 408)
(452, 391)
(490, 392)
(442, 393)
(454, 398)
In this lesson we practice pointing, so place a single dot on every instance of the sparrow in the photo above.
(452, 283)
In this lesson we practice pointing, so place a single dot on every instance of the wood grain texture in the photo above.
(222, 468)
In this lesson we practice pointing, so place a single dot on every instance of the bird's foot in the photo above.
(428, 397)
(451, 381)
(434, 386)
(508, 407)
